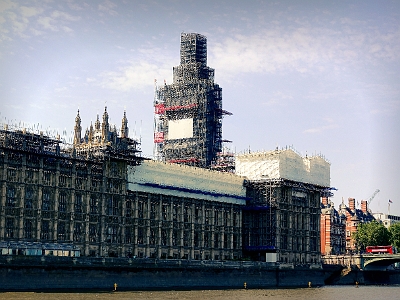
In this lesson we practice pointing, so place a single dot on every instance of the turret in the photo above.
(105, 126)
(77, 129)
(124, 127)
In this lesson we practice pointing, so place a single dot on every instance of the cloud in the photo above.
(304, 49)
(107, 6)
(331, 125)
(137, 75)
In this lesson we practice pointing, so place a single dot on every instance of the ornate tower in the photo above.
(189, 111)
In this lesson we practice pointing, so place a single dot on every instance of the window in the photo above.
(128, 212)
(93, 205)
(62, 202)
(78, 236)
(29, 197)
(163, 237)
(93, 232)
(216, 240)
(9, 228)
(61, 236)
(128, 235)
(113, 207)
(45, 232)
(11, 199)
(78, 203)
(46, 200)
(28, 229)
(112, 231)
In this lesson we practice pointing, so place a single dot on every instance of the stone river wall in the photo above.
(19, 273)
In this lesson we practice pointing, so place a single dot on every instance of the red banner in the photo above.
(158, 137)
(159, 109)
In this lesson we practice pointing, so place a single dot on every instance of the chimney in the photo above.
(364, 206)
(352, 203)
(324, 201)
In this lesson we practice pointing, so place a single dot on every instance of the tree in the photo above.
(395, 235)
(371, 234)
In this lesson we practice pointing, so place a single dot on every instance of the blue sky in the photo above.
(323, 78)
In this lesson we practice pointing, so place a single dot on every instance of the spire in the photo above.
(105, 126)
(77, 129)
(124, 127)
(91, 133)
(97, 124)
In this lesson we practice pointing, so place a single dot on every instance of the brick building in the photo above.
(333, 229)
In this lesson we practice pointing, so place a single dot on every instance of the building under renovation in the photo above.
(97, 197)
(282, 218)
(188, 112)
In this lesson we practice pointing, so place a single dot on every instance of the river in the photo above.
(325, 293)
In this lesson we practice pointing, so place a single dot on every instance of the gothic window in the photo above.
(62, 205)
(11, 199)
(128, 235)
(29, 197)
(47, 177)
(153, 210)
(186, 238)
(78, 203)
(140, 209)
(174, 238)
(164, 237)
(46, 200)
(28, 229)
(186, 213)
(61, 236)
(45, 232)
(128, 212)
(196, 239)
(112, 233)
(112, 207)
(225, 240)
(216, 217)
(216, 240)
(165, 211)
(140, 237)
(93, 205)
(9, 227)
(197, 214)
(78, 236)
(152, 236)
(176, 212)
(93, 232)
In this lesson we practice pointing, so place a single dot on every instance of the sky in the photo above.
(320, 77)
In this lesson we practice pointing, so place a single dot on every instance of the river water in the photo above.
(324, 293)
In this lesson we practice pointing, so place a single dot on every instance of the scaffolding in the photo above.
(282, 217)
(188, 112)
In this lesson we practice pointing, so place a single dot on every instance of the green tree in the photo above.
(371, 234)
(395, 235)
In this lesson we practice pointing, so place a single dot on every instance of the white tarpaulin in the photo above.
(180, 129)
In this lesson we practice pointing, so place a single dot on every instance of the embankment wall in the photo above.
(63, 273)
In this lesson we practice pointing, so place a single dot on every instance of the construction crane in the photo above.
(373, 196)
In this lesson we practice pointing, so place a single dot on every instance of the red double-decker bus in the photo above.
(380, 249)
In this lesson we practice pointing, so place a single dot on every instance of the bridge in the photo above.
(366, 261)
(378, 262)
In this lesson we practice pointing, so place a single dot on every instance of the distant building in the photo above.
(354, 217)
(385, 219)
(333, 229)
